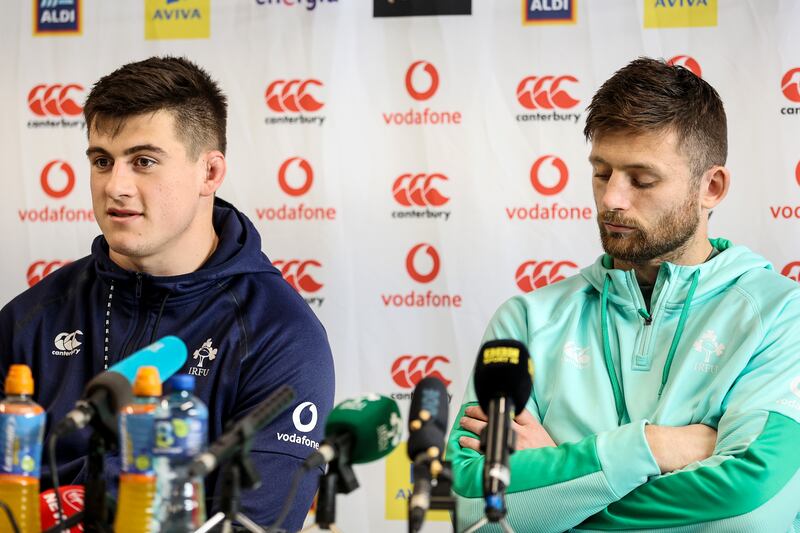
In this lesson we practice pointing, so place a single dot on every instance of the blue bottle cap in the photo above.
(182, 382)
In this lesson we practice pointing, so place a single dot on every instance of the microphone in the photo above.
(503, 380)
(237, 437)
(167, 354)
(108, 391)
(359, 430)
(427, 429)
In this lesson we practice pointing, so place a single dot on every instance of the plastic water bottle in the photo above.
(181, 433)
(21, 433)
(137, 480)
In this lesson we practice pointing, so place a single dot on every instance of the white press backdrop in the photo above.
(488, 229)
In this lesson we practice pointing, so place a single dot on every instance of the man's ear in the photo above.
(714, 186)
(216, 167)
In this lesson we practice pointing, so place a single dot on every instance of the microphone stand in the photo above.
(339, 479)
(499, 439)
(237, 474)
(441, 496)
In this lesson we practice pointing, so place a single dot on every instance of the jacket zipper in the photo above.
(141, 320)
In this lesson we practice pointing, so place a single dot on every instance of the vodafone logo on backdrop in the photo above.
(299, 167)
(549, 162)
(547, 93)
(422, 80)
(797, 172)
(549, 175)
(790, 86)
(300, 275)
(408, 370)
(295, 176)
(423, 264)
(792, 271)
(57, 179)
(426, 275)
(295, 100)
(41, 268)
(687, 62)
(787, 212)
(532, 275)
(417, 90)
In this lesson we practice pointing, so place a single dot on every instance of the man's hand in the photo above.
(676, 447)
(530, 433)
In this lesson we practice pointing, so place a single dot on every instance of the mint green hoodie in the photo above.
(720, 346)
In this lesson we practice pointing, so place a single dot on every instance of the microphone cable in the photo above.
(10, 515)
(51, 450)
(290, 496)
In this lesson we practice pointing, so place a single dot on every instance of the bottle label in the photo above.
(21, 441)
(137, 437)
(180, 437)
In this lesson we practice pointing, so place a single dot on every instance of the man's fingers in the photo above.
(475, 411)
(525, 417)
(469, 442)
(472, 424)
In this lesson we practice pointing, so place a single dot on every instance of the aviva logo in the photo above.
(679, 13)
(177, 19)
(399, 486)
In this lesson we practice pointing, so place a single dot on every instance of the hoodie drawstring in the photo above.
(158, 318)
(679, 331)
(619, 395)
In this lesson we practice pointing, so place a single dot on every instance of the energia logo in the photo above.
(687, 62)
(532, 275)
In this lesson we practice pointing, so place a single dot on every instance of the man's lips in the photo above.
(123, 214)
(617, 228)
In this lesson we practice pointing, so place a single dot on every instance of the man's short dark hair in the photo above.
(171, 84)
(650, 96)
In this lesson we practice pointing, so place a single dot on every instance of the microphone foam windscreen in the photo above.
(503, 369)
(373, 423)
(427, 416)
(115, 388)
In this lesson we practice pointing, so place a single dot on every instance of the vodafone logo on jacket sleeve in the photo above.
(423, 264)
(304, 419)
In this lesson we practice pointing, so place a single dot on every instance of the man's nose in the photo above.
(616, 195)
(121, 181)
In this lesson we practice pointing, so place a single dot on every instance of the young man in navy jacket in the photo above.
(175, 260)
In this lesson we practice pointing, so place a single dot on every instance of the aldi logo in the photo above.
(549, 11)
(680, 13)
(56, 17)
(177, 19)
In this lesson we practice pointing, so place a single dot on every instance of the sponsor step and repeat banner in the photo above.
(410, 164)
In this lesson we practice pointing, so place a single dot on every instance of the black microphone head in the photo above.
(427, 417)
(503, 369)
(113, 387)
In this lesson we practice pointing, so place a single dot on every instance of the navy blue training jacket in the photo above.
(236, 307)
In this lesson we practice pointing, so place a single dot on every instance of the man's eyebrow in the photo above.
(128, 151)
(596, 160)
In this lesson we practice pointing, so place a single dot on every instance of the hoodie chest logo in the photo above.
(712, 350)
(67, 344)
(575, 355)
(203, 355)
(794, 388)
